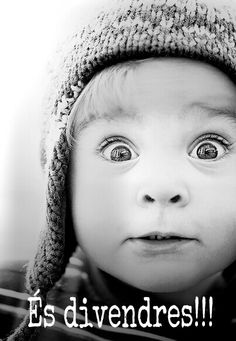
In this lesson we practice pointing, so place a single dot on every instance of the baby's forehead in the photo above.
(130, 90)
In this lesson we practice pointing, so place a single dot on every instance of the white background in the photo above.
(29, 33)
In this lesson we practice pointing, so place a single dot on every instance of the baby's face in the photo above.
(154, 191)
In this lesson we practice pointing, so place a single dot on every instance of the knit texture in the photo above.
(126, 30)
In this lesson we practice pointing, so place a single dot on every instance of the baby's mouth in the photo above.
(159, 243)
(159, 236)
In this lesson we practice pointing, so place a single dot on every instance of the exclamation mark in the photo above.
(203, 310)
(210, 310)
(196, 310)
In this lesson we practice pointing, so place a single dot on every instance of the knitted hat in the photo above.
(124, 30)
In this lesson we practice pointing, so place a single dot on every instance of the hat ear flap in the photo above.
(49, 262)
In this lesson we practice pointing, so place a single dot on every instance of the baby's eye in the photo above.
(209, 147)
(117, 150)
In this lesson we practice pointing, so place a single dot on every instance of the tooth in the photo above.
(159, 237)
(152, 237)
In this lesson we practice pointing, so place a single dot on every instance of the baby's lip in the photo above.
(159, 243)
(158, 235)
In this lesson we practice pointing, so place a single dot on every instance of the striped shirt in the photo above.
(80, 312)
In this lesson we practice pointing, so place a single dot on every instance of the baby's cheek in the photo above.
(219, 236)
(214, 196)
(98, 237)
(98, 214)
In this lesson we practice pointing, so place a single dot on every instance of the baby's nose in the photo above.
(169, 194)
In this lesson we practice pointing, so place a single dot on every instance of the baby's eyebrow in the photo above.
(115, 115)
(226, 111)
(110, 117)
(123, 114)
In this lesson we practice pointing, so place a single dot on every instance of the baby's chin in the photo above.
(177, 284)
(159, 287)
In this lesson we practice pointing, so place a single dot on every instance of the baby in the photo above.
(154, 161)
(140, 157)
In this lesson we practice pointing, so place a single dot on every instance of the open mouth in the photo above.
(158, 236)
(161, 237)
(158, 243)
